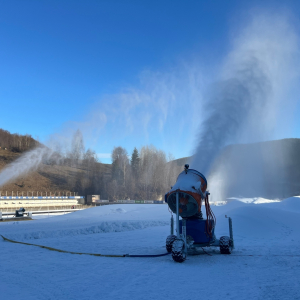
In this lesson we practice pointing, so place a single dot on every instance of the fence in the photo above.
(27, 193)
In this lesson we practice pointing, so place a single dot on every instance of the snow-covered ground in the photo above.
(49, 215)
(257, 200)
(264, 265)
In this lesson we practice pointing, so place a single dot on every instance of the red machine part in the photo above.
(188, 183)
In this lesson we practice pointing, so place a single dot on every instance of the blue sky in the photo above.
(118, 70)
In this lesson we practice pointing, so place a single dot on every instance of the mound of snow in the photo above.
(291, 204)
(263, 200)
(256, 200)
(249, 220)
(102, 219)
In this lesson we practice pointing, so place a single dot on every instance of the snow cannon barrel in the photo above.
(191, 186)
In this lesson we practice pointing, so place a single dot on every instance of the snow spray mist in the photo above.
(253, 88)
(26, 163)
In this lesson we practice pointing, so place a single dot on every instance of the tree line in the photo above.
(146, 174)
(16, 142)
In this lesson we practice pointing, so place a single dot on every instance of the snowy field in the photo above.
(44, 216)
(264, 265)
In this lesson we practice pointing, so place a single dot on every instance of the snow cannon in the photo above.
(193, 231)
(191, 187)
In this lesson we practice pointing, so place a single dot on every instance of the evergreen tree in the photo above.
(135, 162)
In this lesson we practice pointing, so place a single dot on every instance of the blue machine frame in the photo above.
(193, 232)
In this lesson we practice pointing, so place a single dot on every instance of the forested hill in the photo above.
(267, 169)
(144, 175)
(16, 142)
(60, 178)
(61, 174)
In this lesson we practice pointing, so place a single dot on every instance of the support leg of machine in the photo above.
(184, 234)
(172, 225)
(230, 231)
(177, 214)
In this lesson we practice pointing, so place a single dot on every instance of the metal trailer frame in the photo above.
(190, 247)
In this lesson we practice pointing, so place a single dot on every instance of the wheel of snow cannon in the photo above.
(225, 245)
(169, 242)
(178, 251)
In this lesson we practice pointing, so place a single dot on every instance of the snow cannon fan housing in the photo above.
(191, 186)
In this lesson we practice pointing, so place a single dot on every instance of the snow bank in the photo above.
(102, 219)
(256, 200)
(291, 204)
(249, 220)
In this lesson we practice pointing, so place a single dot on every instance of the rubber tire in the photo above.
(225, 245)
(178, 253)
(169, 242)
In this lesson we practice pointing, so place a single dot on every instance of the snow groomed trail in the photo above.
(264, 265)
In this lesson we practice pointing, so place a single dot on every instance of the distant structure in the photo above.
(94, 199)
(8, 203)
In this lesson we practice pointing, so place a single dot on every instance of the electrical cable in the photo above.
(210, 217)
(82, 253)
(206, 252)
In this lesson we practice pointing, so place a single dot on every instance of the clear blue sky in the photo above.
(67, 64)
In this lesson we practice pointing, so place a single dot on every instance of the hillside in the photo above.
(267, 169)
(16, 142)
(47, 178)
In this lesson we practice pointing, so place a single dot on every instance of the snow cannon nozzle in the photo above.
(190, 188)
